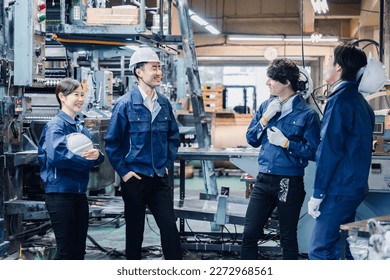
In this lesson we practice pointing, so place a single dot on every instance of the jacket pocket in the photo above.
(293, 129)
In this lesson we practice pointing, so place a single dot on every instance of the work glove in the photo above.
(276, 137)
(273, 107)
(312, 207)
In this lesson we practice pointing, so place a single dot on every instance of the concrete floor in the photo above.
(112, 237)
(106, 237)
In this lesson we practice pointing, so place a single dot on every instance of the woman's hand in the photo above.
(92, 154)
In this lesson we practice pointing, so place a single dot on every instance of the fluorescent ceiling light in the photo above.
(279, 38)
(310, 39)
(297, 39)
(316, 37)
(199, 20)
(268, 38)
(202, 22)
(320, 6)
(212, 29)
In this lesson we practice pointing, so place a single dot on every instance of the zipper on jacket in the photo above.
(151, 144)
(55, 173)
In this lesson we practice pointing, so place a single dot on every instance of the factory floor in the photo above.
(112, 238)
(106, 237)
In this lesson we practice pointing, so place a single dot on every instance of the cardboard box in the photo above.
(101, 16)
(228, 129)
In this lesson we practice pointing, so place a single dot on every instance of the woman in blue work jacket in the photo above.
(65, 174)
(287, 130)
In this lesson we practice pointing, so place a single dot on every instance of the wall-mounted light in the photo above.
(320, 6)
(203, 22)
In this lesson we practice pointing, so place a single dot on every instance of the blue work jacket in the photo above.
(139, 141)
(300, 124)
(61, 170)
(344, 154)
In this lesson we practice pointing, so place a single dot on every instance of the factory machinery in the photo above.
(42, 42)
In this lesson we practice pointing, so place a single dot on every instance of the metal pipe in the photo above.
(62, 11)
(381, 16)
(142, 24)
(169, 17)
(161, 32)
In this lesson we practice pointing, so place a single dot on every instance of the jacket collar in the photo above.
(138, 99)
(67, 118)
(341, 86)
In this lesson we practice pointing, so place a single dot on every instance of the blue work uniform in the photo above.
(343, 163)
(143, 137)
(61, 170)
(300, 124)
(65, 176)
(280, 179)
(139, 140)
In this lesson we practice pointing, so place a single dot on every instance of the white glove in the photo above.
(273, 107)
(276, 137)
(312, 207)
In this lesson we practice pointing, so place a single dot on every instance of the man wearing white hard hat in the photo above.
(141, 143)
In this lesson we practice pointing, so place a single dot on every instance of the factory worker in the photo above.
(344, 155)
(66, 154)
(141, 143)
(288, 131)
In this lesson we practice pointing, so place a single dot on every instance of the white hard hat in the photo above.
(144, 54)
(374, 77)
(78, 143)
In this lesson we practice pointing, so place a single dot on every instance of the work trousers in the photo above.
(336, 210)
(287, 193)
(69, 214)
(155, 193)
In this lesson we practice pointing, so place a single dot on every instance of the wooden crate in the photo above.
(212, 94)
(228, 129)
(212, 105)
(213, 87)
(101, 16)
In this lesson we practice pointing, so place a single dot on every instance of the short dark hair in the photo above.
(66, 86)
(351, 59)
(138, 65)
(283, 70)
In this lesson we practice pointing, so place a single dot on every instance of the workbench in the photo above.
(358, 228)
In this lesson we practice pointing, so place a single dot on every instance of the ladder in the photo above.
(201, 128)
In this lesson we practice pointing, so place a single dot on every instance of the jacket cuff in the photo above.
(122, 172)
(319, 194)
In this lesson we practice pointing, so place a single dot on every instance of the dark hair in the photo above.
(351, 59)
(283, 70)
(66, 86)
(138, 65)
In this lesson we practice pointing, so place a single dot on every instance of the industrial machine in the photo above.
(41, 43)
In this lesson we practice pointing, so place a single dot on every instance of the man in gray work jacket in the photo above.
(141, 143)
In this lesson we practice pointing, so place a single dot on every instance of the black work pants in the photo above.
(155, 193)
(69, 214)
(287, 193)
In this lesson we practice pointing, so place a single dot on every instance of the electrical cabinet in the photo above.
(29, 42)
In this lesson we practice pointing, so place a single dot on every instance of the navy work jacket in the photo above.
(301, 126)
(344, 154)
(136, 141)
(61, 170)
